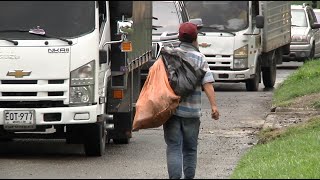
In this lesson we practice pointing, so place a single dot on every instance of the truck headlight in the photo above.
(240, 63)
(82, 84)
(240, 60)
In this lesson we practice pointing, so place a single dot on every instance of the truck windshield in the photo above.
(223, 15)
(58, 18)
(298, 18)
(168, 19)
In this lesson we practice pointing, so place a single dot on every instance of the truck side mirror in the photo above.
(259, 21)
(198, 22)
(315, 26)
(124, 27)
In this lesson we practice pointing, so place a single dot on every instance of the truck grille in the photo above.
(19, 94)
(19, 81)
(219, 62)
(31, 104)
(34, 93)
(59, 81)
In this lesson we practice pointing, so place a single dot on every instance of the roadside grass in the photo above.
(290, 153)
(306, 80)
(316, 105)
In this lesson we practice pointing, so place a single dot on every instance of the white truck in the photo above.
(71, 69)
(242, 39)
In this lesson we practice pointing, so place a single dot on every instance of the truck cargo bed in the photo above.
(277, 24)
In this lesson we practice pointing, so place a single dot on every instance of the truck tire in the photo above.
(121, 141)
(269, 73)
(95, 139)
(253, 84)
(312, 52)
(279, 56)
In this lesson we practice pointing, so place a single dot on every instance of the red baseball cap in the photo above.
(188, 32)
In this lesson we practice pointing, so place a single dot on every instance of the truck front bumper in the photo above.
(298, 51)
(232, 76)
(58, 115)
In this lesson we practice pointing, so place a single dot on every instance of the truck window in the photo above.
(312, 16)
(102, 12)
(255, 12)
(58, 18)
(168, 17)
(315, 20)
(298, 18)
(223, 15)
(102, 16)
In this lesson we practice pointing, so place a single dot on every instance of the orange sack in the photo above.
(157, 101)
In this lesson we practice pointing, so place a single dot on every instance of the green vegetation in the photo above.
(292, 153)
(306, 80)
(316, 105)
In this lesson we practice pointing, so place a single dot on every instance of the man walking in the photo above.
(182, 129)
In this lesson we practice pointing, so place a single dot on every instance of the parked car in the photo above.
(305, 34)
(167, 17)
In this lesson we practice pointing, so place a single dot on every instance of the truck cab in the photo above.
(242, 39)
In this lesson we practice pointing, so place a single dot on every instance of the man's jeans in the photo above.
(181, 136)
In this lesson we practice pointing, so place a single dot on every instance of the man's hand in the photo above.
(215, 113)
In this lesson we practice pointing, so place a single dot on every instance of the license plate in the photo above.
(19, 119)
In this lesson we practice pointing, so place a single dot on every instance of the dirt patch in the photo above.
(269, 134)
(300, 110)
(306, 101)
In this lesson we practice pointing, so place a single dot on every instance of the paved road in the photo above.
(221, 144)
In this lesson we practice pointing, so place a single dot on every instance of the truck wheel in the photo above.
(95, 139)
(279, 56)
(253, 84)
(121, 141)
(269, 73)
(312, 52)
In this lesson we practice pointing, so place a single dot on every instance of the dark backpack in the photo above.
(182, 76)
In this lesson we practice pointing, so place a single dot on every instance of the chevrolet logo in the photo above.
(204, 45)
(18, 73)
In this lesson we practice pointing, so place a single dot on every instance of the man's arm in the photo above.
(209, 90)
